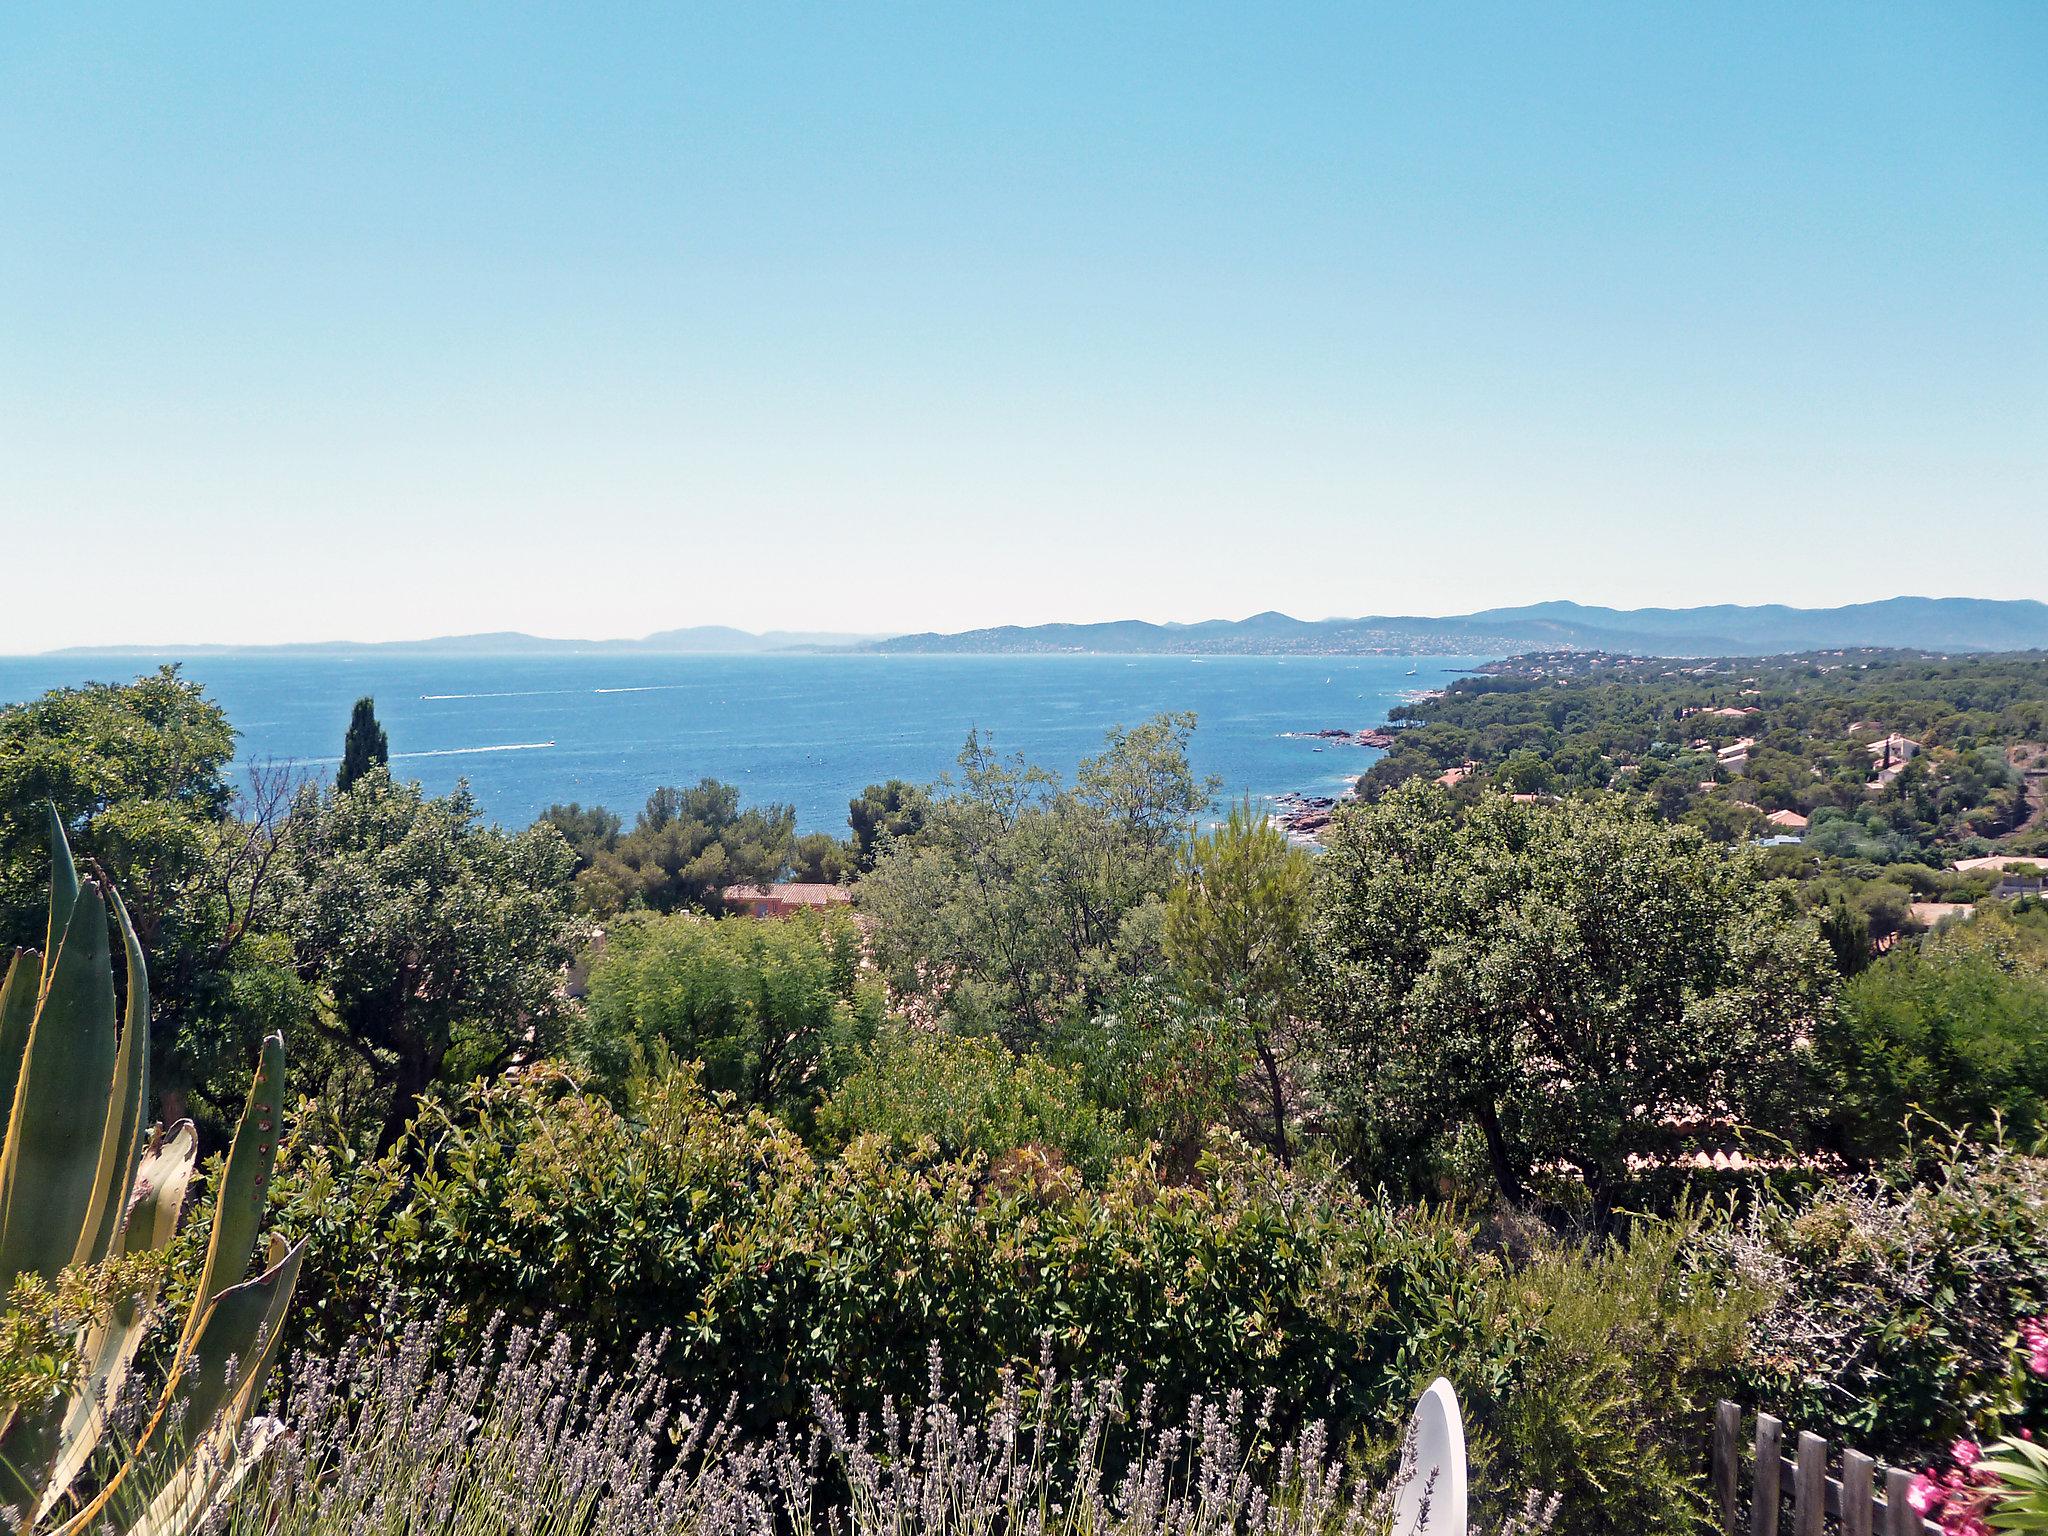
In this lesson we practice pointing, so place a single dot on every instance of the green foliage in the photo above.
(777, 1270)
(364, 747)
(2020, 1470)
(818, 858)
(1568, 980)
(88, 1205)
(686, 846)
(965, 1095)
(1025, 902)
(1233, 938)
(1168, 1067)
(1628, 1348)
(136, 772)
(1894, 1298)
(587, 832)
(1953, 1028)
(437, 941)
(771, 1009)
(881, 813)
(1564, 723)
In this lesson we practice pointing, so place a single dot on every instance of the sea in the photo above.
(809, 731)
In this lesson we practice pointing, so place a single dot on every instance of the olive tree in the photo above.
(1576, 982)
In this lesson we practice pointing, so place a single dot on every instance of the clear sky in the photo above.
(376, 321)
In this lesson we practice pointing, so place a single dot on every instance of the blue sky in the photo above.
(591, 320)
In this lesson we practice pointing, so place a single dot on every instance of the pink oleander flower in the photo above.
(2034, 1337)
(1965, 1453)
(1925, 1494)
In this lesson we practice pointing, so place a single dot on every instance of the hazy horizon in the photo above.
(174, 644)
(376, 322)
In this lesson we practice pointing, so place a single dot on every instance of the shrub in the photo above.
(1941, 1028)
(536, 1440)
(771, 1009)
(1628, 1347)
(967, 1094)
(1893, 1300)
(775, 1270)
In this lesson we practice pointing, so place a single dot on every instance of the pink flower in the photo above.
(1924, 1494)
(1964, 1453)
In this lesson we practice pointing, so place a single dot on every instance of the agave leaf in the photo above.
(17, 1018)
(206, 1481)
(239, 1202)
(164, 1174)
(242, 1328)
(63, 889)
(51, 1157)
(123, 1138)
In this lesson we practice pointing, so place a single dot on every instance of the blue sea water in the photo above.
(809, 731)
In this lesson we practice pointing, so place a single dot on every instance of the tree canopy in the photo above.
(1577, 983)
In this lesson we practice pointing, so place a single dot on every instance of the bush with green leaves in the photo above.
(1894, 1296)
(772, 1271)
(774, 1011)
(1949, 1029)
(776, 1269)
(967, 1094)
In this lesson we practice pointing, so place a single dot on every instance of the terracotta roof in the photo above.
(794, 893)
(1790, 819)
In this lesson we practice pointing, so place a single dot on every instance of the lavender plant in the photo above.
(528, 1434)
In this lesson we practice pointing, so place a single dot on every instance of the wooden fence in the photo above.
(1864, 1500)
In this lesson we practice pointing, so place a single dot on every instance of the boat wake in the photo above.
(510, 746)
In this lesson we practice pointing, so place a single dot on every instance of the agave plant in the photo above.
(83, 1182)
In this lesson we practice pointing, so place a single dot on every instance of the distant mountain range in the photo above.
(1909, 623)
(700, 640)
(1915, 623)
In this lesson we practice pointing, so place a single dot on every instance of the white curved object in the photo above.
(1438, 1485)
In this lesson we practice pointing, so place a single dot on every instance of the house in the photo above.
(1890, 754)
(1735, 756)
(1451, 778)
(1998, 861)
(1931, 914)
(782, 899)
(1791, 821)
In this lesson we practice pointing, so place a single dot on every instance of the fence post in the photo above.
(1763, 1503)
(1858, 1493)
(1899, 1519)
(1727, 1484)
(1810, 1485)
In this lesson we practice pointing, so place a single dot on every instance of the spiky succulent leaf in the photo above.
(63, 885)
(61, 1107)
(17, 1018)
(122, 1141)
(162, 1176)
(239, 1202)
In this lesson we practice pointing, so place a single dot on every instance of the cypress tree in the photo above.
(365, 746)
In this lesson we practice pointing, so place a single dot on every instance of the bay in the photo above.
(805, 730)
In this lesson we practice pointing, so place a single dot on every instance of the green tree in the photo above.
(1233, 936)
(770, 1009)
(1954, 1028)
(686, 846)
(364, 747)
(1024, 902)
(587, 832)
(438, 941)
(137, 772)
(1570, 980)
(883, 811)
(819, 858)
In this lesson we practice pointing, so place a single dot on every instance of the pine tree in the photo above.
(365, 747)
